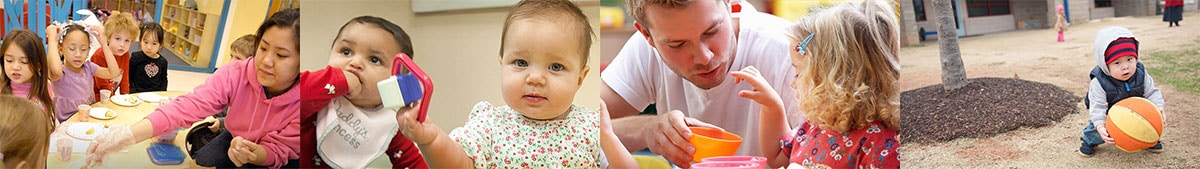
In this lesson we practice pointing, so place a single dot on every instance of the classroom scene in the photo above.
(149, 84)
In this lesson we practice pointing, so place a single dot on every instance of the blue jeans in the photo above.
(1091, 136)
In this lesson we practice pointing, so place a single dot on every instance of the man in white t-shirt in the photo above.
(680, 60)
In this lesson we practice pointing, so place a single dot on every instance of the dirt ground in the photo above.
(1034, 55)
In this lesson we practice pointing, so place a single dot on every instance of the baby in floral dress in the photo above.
(846, 59)
(543, 61)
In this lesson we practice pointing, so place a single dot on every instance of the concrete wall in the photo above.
(1101, 13)
(1080, 11)
(1136, 8)
(908, 24)
(1032, 14)
(989, 24)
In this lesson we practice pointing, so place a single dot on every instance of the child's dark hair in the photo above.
(31, 44)
(287, 18)
(398, 33)
(557, 10)
(151, 27)
(73, 28)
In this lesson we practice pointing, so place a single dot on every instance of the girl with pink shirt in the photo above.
(25, 69)
(263, 121)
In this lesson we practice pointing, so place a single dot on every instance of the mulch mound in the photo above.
(983, 108)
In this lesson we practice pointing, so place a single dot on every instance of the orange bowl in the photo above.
(712, 142)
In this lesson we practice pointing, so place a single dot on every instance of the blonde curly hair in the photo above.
(849, 73)
(121, 22)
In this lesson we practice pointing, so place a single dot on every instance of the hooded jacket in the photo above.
(1104, 90)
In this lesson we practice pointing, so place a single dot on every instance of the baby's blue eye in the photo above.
(521, 63)
(556, 67)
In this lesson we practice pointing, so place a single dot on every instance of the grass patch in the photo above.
(1175, 68)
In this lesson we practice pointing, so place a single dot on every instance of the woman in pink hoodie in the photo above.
(263, 121)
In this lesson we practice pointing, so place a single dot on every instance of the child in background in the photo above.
(73, 80)
(120, 30)
(362, 54)
(1060, 23)
(243, 47)
(543, 61)
(846, 59)
(263, 123)
(149, 71)
(26, 72)
(1118, 75)
(24, 133)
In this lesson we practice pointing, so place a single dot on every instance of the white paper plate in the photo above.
(125, 100)
(80, 130)
(102, 113)
(150, 97)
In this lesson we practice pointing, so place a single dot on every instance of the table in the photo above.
(135, 155)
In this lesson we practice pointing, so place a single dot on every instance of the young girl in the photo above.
(846, 57)
(73, 81)
(24, 133)
(25, 69)
(362, 54)
(544, 51)
(1060, 23)
(148, 69)
(263, 123)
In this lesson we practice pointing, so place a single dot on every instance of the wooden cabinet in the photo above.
(187, 35)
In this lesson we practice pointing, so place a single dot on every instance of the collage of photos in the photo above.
(655, 84)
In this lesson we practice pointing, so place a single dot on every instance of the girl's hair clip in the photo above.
(62, 29)
(800, 47)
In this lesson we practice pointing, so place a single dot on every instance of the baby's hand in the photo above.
(762, 93)
(354, 83)
(420, 133)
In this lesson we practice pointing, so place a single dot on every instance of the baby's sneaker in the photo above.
(1086, 150)
(1158, 148)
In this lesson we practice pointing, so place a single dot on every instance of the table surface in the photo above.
(135, 155)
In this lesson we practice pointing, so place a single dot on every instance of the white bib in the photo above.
(349, 137)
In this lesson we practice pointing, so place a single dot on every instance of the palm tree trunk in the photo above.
(953, 73)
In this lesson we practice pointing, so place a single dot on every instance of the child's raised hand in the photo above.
(52, 34)
(98, 32)
(420, 133)
(762, 93)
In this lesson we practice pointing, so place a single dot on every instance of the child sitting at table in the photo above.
(120, 28)
(25, 69)
(24, 133)
(846, 59)
(148, 70)
(263, 123)
(73, 80)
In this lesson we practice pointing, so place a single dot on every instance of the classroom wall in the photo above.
(459, 49)
(244, 18)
